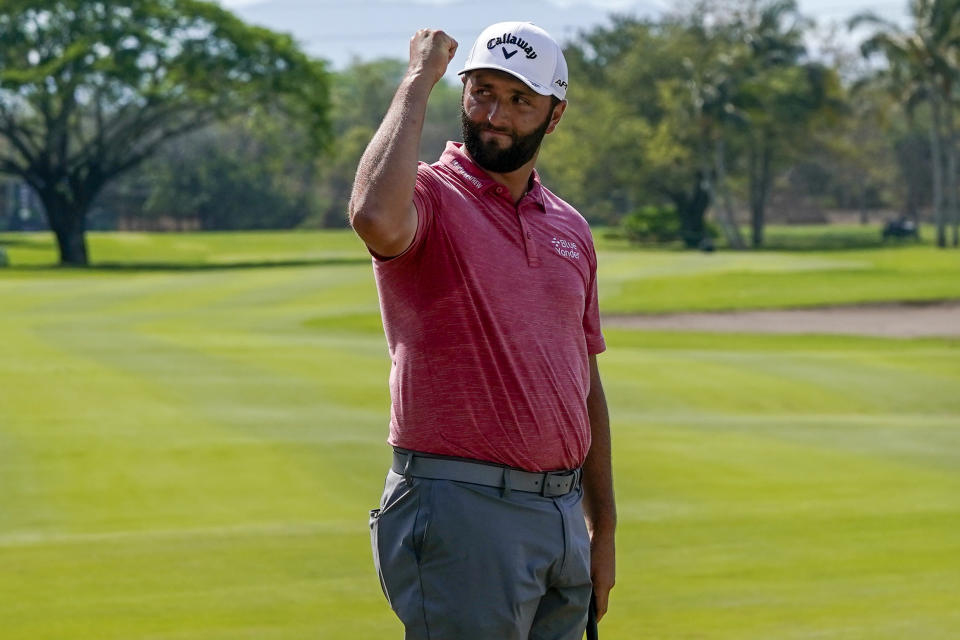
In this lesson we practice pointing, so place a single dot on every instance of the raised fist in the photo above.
(431, 50)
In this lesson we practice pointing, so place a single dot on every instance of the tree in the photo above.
(780, 93)
(89, 89)
(712, 78)
(859, 152)
(665, 112)
(252, 172)
(627, 140)
(923, 65)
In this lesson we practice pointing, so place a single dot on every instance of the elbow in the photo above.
(383, 234)
(357, 213)
(365, 222)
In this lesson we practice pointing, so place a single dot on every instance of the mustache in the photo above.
(490, 127)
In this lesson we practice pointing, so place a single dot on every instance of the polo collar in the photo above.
(479, 181)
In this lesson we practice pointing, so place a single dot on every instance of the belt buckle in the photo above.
(563, 477)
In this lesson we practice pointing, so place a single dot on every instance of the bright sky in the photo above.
(340, 30)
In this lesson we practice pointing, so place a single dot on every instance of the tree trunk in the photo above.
(727, 219)
(752, 181)
(69, 225)
(952, 206)
(864, 217)
(759, 188)
(937, 153)
(72, 242)
(691, 209)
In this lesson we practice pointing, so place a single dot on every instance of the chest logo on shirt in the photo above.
(566, 248)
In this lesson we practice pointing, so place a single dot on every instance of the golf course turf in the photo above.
(191, 436)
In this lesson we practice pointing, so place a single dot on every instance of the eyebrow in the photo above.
(522, 89)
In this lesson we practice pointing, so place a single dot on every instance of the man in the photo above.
(487, 285)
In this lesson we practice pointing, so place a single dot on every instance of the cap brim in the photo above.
(539, 88)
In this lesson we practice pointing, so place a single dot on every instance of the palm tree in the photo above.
(778, 93)
(949, 21)
(712, 85)
(923, 67)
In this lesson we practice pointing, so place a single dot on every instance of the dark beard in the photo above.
(491, 157)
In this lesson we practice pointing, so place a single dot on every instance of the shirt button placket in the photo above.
(533, 259)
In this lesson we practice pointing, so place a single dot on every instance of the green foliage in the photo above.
(663, 110)
(614, 150)
(224, 178)
(923, 67)
(361, 95)
(255, 171)
(88, 90)
(652, 224)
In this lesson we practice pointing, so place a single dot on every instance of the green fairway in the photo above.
(649, 281)
(656, 281)
(189, 452)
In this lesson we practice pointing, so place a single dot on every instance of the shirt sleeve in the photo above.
(591, 311)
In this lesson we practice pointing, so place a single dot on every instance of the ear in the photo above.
(555, 116)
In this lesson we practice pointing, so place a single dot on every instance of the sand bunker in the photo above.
(902, 320)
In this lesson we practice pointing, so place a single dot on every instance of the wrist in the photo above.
(417, 74)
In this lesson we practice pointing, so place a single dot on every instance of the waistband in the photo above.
(549, 484)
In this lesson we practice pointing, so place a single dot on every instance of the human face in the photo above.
(503, 121)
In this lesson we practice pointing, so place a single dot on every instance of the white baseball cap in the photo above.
(524, 50)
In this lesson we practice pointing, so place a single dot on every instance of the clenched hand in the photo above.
(431, 50)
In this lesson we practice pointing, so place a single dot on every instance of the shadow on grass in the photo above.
(30, 243)
(834, 242)
(122, 267)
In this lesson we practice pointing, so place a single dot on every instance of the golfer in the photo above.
(497, 518)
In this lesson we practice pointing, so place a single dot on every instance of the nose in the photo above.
(497, 116)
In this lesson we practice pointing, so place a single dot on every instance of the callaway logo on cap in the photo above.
(525, 51)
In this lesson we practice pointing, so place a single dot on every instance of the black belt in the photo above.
(549, 484)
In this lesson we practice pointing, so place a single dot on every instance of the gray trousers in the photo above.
(460, 561)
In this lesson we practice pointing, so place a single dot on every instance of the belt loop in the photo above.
(506, 483)
(407, 477)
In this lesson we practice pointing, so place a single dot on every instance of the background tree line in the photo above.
(173, 114)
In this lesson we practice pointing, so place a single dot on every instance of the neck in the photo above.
(516, 181)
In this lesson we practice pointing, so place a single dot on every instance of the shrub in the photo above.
(652, 223)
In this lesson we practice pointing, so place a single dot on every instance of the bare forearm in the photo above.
(599, 505)
(383, 188)
(381, 205)
(599, 508)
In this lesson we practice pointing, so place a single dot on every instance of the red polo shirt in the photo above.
(490, 315)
